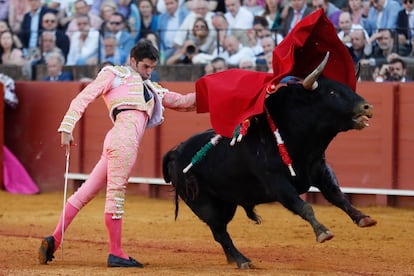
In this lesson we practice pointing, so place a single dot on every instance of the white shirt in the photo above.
(94, 20)
(172, 27)
(234, 59)
(243, 19)
(89, 47)
(341, 34)
(295, 20)
(34, 27)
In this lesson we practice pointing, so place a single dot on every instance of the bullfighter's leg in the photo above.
(328, 185)
(121, 149)
(80, 198)
(217, 215)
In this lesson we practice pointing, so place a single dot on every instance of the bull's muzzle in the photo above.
(364, 112)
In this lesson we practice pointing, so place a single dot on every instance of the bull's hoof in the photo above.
(325, 236)
(246, 265)
(366, 222)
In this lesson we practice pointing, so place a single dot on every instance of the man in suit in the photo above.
(296, 12)
(55, 62)
(50, 23)
(405, 24)
(360, 47)
(32, 24)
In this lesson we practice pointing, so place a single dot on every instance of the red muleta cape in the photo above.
(235, 95)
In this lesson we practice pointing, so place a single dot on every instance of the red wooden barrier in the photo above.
(377, 157)
(365, 158)
(31, 130)
(405, 142)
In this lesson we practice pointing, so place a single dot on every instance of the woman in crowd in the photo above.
(4, 26)
(201, 36)
(9, 53)
(149, 19)
(273, 13)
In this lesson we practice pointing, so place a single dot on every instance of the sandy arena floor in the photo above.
(283, 244)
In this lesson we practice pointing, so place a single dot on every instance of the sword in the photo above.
(64, 195)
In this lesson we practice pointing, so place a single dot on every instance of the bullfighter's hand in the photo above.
(66, 139)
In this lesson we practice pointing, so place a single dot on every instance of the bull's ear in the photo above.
(310, 82)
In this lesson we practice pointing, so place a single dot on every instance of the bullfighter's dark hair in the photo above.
(144, 49)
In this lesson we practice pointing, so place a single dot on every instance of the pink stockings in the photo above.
(70, 213)
(113, 226)
(113, 170)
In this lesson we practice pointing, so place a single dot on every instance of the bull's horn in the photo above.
(310, 82)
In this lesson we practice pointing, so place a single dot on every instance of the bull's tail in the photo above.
(176, 205)
(185, 185)
(168, 164)
(165, 163)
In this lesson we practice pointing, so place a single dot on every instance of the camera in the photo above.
(387, 74)
(190, 49)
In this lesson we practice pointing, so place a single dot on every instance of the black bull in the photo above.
(252, 172)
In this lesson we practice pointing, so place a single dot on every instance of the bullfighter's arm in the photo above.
(100, 85)
(173, 100)
(179, 101)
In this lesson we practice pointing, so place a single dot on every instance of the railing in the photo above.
(347, 190)
(181, 72)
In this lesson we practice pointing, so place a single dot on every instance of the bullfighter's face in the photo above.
(144, 67)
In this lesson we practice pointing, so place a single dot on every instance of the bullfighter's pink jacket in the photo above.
(123, 87)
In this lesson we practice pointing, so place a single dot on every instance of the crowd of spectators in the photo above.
(224, 33)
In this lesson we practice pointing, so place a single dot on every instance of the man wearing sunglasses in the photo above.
(50, 23)
(31, 25)
(116, 26)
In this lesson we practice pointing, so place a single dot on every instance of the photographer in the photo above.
(395, 70)
(185, 54)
